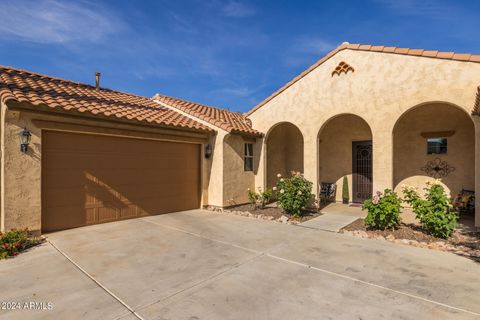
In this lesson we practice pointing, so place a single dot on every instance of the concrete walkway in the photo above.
(202, 265)
(334, 217)
(329, 222)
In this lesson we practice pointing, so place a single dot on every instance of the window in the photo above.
(437, 145)
(248, 157)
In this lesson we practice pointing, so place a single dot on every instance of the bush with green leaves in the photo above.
(294, 193)
(383, 210)
(15, 241)
(433, 211)
(260, 199)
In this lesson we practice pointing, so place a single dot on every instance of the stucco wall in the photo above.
(382, 87)
(410, 147)
(236, 181)
(21, 173)
(214, 169)
(284, 152)
(335, 149)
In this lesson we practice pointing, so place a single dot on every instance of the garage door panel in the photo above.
(90, 179)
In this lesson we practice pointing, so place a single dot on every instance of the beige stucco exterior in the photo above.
(21, 173)
(382, 88)
(284, 152)
(410, 148)
(335, 149)
(236, 181)
(390, 99)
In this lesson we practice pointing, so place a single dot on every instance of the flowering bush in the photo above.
(434, 211)
(293, 193)
(14, 241)
(261, 198)
(383, 210)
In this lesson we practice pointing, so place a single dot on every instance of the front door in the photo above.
(362, 170)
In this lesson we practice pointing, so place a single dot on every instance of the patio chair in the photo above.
(464, 202)
(328, 192)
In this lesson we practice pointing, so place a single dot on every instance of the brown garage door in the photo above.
(89, 179)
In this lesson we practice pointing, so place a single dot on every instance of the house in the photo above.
(381, 116)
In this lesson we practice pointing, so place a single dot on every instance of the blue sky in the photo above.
(224, 53)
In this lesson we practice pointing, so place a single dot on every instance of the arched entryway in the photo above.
(434, 140)
(345, 150)
(284, 144)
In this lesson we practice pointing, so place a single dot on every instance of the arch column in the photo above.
(476, 121)
(382, 160)
(311, 162)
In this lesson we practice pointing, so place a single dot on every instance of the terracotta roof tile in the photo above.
(415, 52)
(401, 50)
(462, 56)
(229, 121)
(41, 90)
(364, 47)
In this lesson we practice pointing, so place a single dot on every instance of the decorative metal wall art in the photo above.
(437, 168)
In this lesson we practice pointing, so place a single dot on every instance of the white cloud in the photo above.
(54, 21)
(236, 91)
(313, 45)
(238, 9)
(305, 50)
(427, 8)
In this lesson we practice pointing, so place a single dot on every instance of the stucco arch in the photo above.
(335, 140)
(434, 119)
(284, 151)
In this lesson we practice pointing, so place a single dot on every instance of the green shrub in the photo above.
(261, 198)
(294, 193)
(15, 241)
(433, 212)
(383, 210)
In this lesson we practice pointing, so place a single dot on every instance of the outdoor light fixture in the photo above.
(208, 151)
(25, 137)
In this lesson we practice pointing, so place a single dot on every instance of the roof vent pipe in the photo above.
(97, 80)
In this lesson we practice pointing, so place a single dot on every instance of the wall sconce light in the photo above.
(25, 137)
(208, 151)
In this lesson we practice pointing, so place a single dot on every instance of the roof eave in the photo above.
(26, 106)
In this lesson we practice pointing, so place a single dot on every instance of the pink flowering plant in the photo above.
(383, 210)
(294, 193)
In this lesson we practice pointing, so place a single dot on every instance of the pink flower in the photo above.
(376, 199)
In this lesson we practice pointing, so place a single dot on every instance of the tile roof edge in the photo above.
(210, 120)
(191, 116)
(433, 54)
(42, 75)
(93, 116)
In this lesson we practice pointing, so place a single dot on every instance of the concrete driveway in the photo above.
(201, 265)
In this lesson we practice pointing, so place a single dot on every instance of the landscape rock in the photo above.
(390, 237)
(283, 219)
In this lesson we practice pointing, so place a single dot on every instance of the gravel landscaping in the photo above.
(271, 213)
(463, 243)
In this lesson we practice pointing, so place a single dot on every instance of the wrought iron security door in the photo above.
(362, 170)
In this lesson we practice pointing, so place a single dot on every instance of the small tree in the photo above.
(345, 193)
